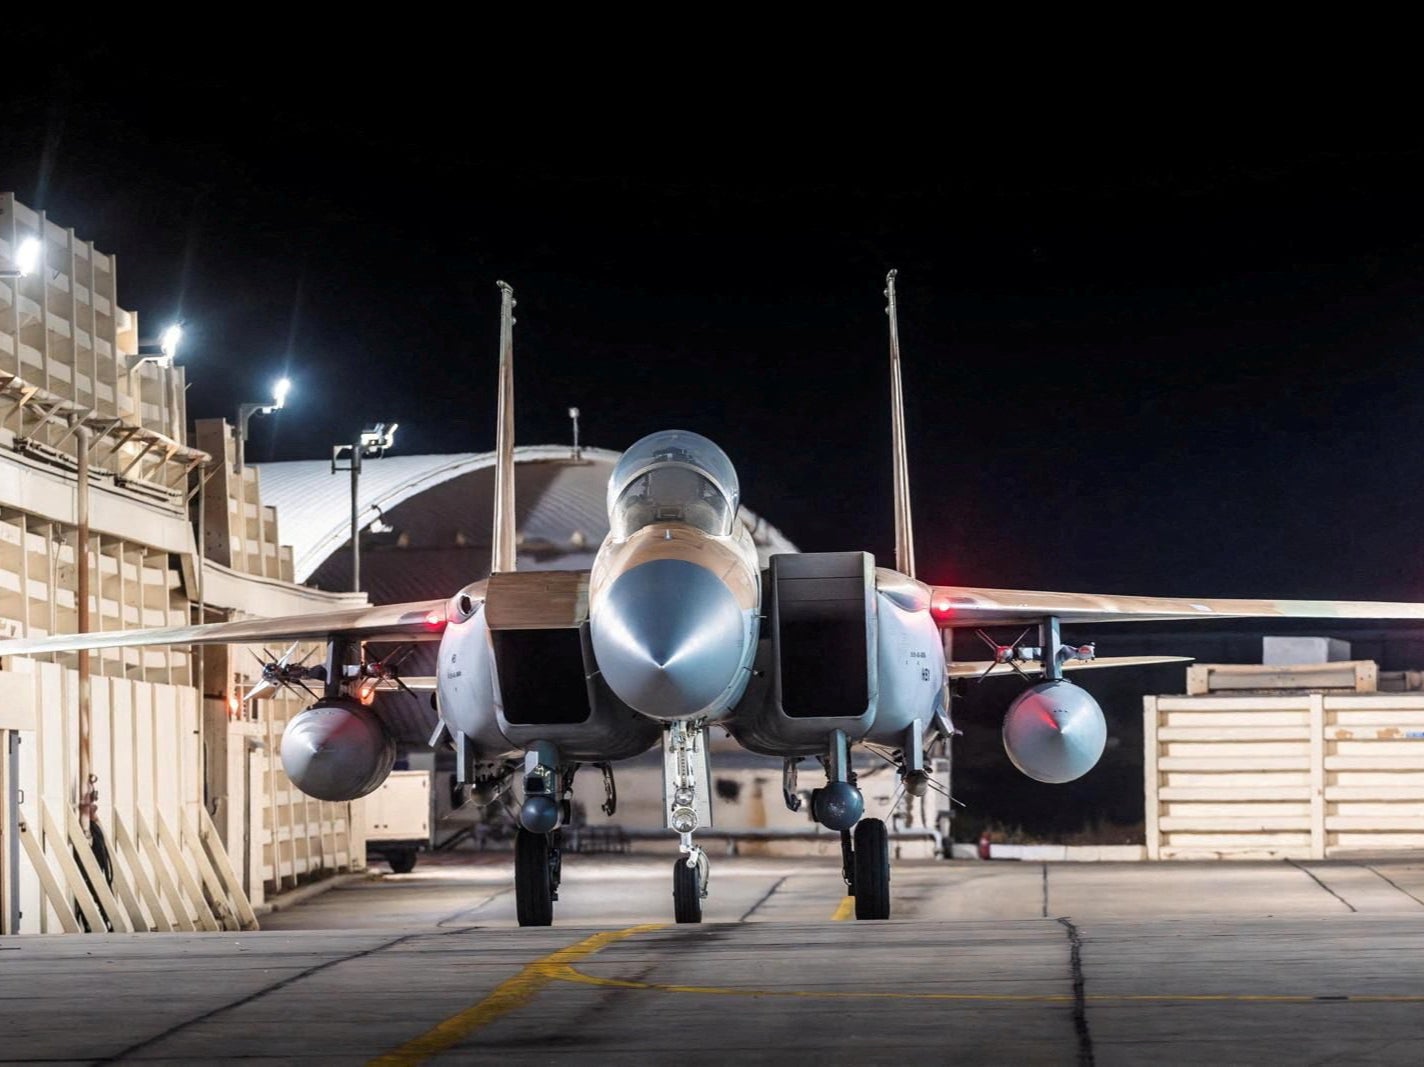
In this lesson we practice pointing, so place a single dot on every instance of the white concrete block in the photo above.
(1293, 651)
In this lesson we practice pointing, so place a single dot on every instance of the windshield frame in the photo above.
(729, 503)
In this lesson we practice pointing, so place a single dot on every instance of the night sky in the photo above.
(1190, 374)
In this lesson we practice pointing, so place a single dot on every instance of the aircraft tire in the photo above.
(872, 870)
(686, 893)
(402, 860)
(533, 879)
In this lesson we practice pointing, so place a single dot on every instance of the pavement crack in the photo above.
(443, 923)
(1045, 890)
(177, 1028)
(1392, 882)
(764, 898)
(1080, 1007)
(1322, 885)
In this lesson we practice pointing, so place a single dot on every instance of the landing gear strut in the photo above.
(536, 877)
(865, 845)
(686, 771)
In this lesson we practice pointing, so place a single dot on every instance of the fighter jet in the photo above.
(675, 630)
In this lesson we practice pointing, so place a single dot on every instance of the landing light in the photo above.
(280, 391)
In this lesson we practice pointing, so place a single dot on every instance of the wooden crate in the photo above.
(1283, 775)
(1352, 676)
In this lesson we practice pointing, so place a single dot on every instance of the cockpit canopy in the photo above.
(673, 476)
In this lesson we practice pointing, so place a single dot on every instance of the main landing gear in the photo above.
(548, 793)
(865, 866)
(865, 844)
(871, 862)
(537, 866)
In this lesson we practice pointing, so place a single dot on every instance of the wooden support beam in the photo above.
(87, 901)
(129, 918)
(130, 853)
(223, 863)
(181, 917)
(48, 882)
(185, 874)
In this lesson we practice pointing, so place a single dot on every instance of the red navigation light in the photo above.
(435, 618)
(942, 609)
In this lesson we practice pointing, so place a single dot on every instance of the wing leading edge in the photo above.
(955, 606)
(415, 621)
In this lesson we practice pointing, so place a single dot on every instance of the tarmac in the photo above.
(982, 962)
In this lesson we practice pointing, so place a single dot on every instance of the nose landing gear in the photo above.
(686, 772)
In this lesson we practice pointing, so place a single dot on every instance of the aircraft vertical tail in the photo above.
(504, 532)
(904, 528)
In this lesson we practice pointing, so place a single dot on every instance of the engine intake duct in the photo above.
(821, 616)
(538, 622)
(541, 675)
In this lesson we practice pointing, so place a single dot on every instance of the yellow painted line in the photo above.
(844, 910)
(567, 973)
(509, 995)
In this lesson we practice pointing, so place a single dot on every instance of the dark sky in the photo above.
(1197, 373)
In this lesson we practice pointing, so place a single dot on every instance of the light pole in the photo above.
(370, 443)
(27, 258)
(166, 353)
(246, 411)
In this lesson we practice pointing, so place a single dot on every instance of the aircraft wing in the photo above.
(956, 606)
(417, 621)
(973, 668)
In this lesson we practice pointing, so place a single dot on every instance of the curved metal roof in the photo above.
(566, 503)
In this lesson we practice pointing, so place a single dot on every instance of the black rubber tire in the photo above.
(533, 881)
(402, 860)
(872, 870)
(686, 893)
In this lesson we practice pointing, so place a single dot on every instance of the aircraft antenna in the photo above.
(503, 557)
(904, 530)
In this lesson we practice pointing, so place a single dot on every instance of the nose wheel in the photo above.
(536, 877)
(689, 876)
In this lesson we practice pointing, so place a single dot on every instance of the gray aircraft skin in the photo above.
(676, 629)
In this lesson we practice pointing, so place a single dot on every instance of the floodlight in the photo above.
(28, 257)
(169, 340)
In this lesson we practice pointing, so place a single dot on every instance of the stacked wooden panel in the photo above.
(1294, 775)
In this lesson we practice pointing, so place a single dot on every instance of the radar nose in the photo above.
(668, 637)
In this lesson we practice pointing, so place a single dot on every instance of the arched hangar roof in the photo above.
(447, 499)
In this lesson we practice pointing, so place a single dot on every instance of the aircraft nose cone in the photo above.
(668, 638)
